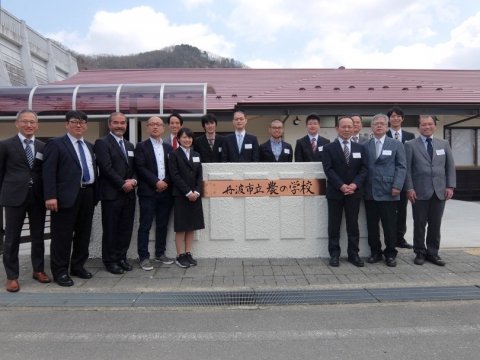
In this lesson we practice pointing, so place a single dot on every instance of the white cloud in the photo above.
(192, 4)
(263, 64)
(142, 29)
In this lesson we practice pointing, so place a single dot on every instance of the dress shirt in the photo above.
(349, 145)
(382, 141)
(32, 146)
(276, 146)
(122, 146)
(424, 140)
(159, 157)
(399, 134)
(88, 156)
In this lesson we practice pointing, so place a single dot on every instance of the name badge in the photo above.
(387, 152)
(130, 153)
(248, 146)
(357, 155)
(440, 152)
(286, 151)
(219, 149)
(195, 159)
(39, 156)
(320, 148)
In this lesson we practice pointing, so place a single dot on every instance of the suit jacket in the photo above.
(208, 155)
(146, 167)
(113, 166)
(406, 135)
(385, 172)
(363, 139)
(186, 174)
(62, 171)
(339, 173)
(15, 172)
(249, 152)
(266, 153)
(428, 176)
(304, 151)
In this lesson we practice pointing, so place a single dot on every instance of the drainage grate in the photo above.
(239, 298)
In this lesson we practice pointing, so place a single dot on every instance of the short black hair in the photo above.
(420, 117)
(177, 115)
(208, 118)
(312, 117)
(395, 110)
(76, 114)
(185, 131)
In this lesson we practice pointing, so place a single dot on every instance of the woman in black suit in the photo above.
(186, 175)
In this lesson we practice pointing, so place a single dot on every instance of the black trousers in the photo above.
(117, 223)
(14, 219)
(401, 221)
(351, 205)
(427, 212)
(386, 212)
(71, 229)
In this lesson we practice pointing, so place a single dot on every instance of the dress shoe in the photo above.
(391, 262)
(334, 261)
(41, 277)
(375, 258)
(12, 285)
(64, 280)
(404, 245)
(125, 265)
(435, 259)
(419, 259)
(355, 260)
(114, 269)
(82, 273)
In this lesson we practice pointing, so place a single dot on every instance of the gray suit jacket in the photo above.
(385, 172)
(427, 176)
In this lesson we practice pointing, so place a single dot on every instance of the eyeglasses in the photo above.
(77, 122)
(27, 122)
(155, 124)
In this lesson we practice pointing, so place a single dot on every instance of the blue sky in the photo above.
(270, 33)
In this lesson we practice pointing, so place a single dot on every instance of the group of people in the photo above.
(68, 176)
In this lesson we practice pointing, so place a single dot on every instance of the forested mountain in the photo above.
(178, 56)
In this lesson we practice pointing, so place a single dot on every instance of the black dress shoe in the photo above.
(435, 259)
(355, 260)
(81, 273)
(64, 280)
(404, 245)
(114, 269)
(419, 259)
(390, 261)
(375, 258)
(125, 265)
(334, 261)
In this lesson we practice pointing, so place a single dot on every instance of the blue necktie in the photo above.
(429, 148)
(239, 142)
(124, 151)
(28, 151)
(83, 160)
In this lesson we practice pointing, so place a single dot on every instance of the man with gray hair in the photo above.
(387, 167)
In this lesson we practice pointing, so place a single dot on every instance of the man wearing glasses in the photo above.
(275, 149)
(69, 174)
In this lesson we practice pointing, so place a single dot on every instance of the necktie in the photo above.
(346, 151)
(211, 142)
(378, 147)
(175, 143)
(430, 147)
(397, 135)
(83, 160)
(123, 149)
(239, 142)
(314, 144)
(28, 151)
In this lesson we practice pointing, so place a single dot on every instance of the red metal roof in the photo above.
(232, 87)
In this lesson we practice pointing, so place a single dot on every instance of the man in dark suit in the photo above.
(431, 179)
(275, 149)
(357, 137)
(116, 186)
(175, 123)
(387, 167)
(345, 165)
(310, 147)
(209, 145)
(240, 146)
(396, 117)
(69, 174)
(21, 192)
(154, 192)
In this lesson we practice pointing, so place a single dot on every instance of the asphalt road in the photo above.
(438, 330)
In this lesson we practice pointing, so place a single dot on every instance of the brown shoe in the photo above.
(13, 285)
(41, 277)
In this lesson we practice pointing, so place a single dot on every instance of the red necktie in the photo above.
(175, 143)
